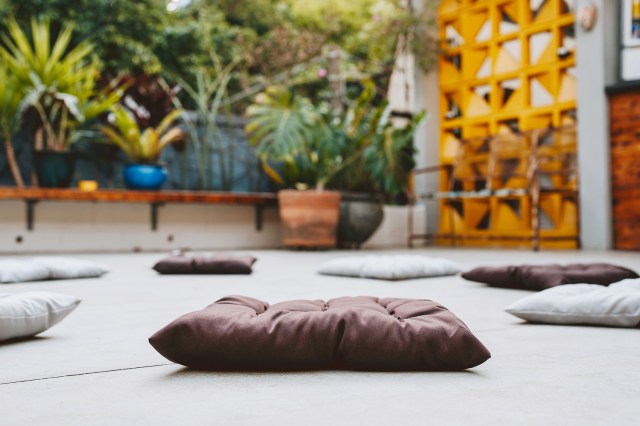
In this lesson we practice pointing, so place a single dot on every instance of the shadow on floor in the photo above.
(31, 339)
(187, 373)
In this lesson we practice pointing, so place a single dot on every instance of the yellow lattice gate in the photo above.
(508, 111)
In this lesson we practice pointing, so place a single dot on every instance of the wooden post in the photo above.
(336, 80)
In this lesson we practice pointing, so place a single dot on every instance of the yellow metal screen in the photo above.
(507, 66)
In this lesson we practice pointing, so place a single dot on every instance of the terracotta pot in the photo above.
(309, 218)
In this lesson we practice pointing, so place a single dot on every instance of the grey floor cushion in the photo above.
(48, 268)
(360, 333)
(30, 313)
(617, 305)
(390, 267)
(542, 277)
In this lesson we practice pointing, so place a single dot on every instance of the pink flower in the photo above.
(322, 73)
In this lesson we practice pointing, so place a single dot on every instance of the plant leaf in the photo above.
(168, 120)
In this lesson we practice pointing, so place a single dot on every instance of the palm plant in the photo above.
(54, 65)
(11, 94)
(142, 146)
(287, 130)
(281, 123)
(60, 81)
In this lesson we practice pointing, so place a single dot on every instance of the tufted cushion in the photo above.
(541, 277)
(362, 333)
(220, 264)
(617, 305)
(390, 267)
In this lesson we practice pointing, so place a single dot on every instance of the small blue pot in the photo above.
(144, 176)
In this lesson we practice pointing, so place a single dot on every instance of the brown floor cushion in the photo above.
(542, 277)
(219, 264)
(361, 333)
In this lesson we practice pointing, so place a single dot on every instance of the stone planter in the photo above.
(360, 217)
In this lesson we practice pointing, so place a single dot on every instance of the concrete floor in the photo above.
(96, 367)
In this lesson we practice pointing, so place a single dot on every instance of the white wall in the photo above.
(402, 85)
(410, 89)
(394, 230)
(597, 59)
(80, 226)
(72, 227)
(428, 142)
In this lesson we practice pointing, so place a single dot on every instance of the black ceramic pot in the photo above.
(54, 169)
(360, 216)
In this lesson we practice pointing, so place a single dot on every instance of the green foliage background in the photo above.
(269, 36)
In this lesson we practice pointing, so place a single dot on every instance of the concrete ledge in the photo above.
(63, 227)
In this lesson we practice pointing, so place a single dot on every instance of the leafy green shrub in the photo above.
(303, 146)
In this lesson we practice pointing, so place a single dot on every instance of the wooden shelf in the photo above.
(155, 199)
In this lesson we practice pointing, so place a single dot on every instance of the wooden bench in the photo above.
(501, 169)
(155, 199)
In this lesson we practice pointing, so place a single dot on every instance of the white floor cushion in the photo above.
(27, 314)
(617, 305)
(66, 268)
(48, 268)
(17, 270)
(390, 267)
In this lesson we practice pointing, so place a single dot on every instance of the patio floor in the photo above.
(96, 367)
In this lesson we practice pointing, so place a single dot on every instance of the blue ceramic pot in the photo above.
(144, 176)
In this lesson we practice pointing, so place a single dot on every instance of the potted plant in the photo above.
(211, 104)
(299, 150)
(143, 147)
(361, 153)
(384, 172)
(60, 87)
(362, 204)
(383, 152)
